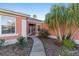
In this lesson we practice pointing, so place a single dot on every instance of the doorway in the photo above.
(32, 29)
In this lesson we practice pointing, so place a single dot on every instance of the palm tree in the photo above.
(75, 17)
(63, 17)
(55, 19)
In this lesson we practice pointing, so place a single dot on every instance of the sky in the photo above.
(39, 9)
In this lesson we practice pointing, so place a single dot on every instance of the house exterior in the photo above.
(15, 24)
(33, 26)
(53, 34)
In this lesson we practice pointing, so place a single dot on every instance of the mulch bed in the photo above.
(14, 50)
(50, 48)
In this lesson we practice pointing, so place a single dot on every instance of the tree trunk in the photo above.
(76, 31)
(59, 32)
(60, 36)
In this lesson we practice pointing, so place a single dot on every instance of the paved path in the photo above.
(37, 49)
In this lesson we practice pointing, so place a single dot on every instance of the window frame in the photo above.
(8, 34)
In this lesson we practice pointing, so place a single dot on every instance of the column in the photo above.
(36, 29)
(24, 28)
(0, 24)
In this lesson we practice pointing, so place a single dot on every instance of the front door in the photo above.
(32, 29)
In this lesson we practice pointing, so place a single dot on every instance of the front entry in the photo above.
(32, 29)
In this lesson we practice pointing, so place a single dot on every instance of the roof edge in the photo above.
(13, 12)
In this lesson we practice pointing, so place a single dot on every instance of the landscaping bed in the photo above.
(53, 48)
(50, 48)
(15, 50)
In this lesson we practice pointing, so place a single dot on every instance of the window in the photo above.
(8, 24)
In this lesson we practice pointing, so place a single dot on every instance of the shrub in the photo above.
(43, 33)
(69, 43)
(65, 51)
(2, 41)
(22, 41)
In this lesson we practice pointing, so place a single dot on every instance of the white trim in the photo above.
(34, 21)
(51, 36)
(24, 28)
(13, 12)
(8, 35)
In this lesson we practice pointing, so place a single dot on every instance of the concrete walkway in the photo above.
(37, 49)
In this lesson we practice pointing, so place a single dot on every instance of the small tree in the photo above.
(34, 16)
(63, 17)
(55, 19)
